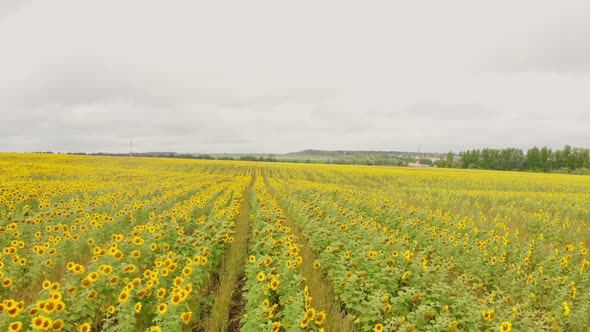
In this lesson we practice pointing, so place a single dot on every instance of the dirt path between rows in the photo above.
(226, 310)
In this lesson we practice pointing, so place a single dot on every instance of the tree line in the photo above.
(566, 160)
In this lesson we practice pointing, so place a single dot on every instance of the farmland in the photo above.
(146, 244)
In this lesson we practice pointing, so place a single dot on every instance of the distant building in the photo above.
(417, 163)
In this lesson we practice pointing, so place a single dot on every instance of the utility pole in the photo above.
(131, 147)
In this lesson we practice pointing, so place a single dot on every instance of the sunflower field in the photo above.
(147, 244)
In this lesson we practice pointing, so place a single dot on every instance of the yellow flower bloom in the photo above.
(320, 318)
(566, 308)
(506, 327)
(15, 327)
(6, 282)
(162, 308)
(86, 327)
(260, 276)
(186, 316)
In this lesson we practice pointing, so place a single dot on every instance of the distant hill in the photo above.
(350, 157)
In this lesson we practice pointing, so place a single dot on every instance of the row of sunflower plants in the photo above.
(451, 251)
(388, 282)
(110, 251)
(45, 242)
(189, 251)
(277, 298)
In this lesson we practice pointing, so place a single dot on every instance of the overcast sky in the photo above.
(267, 76)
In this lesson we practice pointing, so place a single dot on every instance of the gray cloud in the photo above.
(451, 112)
(194, 77)
(558, 42)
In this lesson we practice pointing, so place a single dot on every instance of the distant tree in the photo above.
(536, 159)
(581, 157)
(204, 156)
(465, 158)
(558, 160)
(486, 158)
(533, 159)
(426, 161)
(545, 159)
(586, 158)
(450, 159)
(569, 158)
(494, 158)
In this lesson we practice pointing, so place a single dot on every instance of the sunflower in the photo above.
(260, 276)
(86, 282)
(13, 312)
(106, 269)
(46, 284)
(50, 306)
(566, 308)
(56, 295)
(78, 269)
(274, 284)
(156, 329)
(92, 294)
(320, 318)
(186, 316)
(272, 311)
(57, 325)
(506, 327)
(6, 282)
(38, 322)
(114, 280)
(176, 299)
(276, 326)
(406, 275)
(304, 323)
(136, 282)
(378, 327)
(488, 315)
(123, 297)
(47, 322)
(162, 308)
(316, 265)
(178, 281)
(252, 258)
(138, 307)
(15, 327)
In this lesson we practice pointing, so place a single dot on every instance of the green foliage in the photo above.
(567, 160)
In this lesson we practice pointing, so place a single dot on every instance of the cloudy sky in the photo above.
(272, 76)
